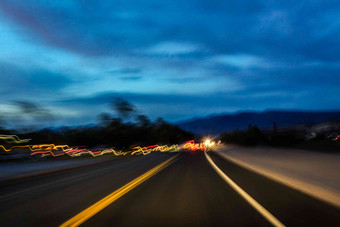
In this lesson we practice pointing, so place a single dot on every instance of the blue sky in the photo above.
(173, 59)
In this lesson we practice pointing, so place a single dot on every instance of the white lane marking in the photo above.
(274, 221)
(318, 192)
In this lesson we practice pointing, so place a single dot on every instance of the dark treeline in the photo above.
(253, 136)
(115, 133)
(126, 130)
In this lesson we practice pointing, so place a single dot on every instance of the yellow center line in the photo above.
(101, 204)
(273, 220)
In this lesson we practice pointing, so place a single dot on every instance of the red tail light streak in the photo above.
(76, 151)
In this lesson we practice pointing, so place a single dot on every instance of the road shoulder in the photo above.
(288, 168)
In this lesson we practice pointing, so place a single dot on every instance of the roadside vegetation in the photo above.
(122, 130)
(253, 136)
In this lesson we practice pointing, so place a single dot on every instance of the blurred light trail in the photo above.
(76, 151)
(191, 145)
(209, 143)
(13, 139)
(60, 150)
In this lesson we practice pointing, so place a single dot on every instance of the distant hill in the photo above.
(264, 120)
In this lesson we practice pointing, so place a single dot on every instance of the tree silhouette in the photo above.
(123, 108)
(143, 121)
(104, 119)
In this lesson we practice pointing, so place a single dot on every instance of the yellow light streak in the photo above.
(13, 139)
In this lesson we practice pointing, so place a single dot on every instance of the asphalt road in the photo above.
(188, 192)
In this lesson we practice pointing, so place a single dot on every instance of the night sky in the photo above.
(172, 59)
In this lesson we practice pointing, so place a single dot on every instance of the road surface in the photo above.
(186, 191)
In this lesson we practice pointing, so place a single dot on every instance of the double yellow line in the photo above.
(101, 204)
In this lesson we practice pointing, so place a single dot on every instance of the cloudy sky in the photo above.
(174, 59)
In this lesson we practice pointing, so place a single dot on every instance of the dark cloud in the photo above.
(39, 77)
(30, 83)
(26, 114)
(127, 74)
(213, 100)
(277, 54)
(230, 101)
(37, 112)
(131, 78)
(125, 71)
(276, 29)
